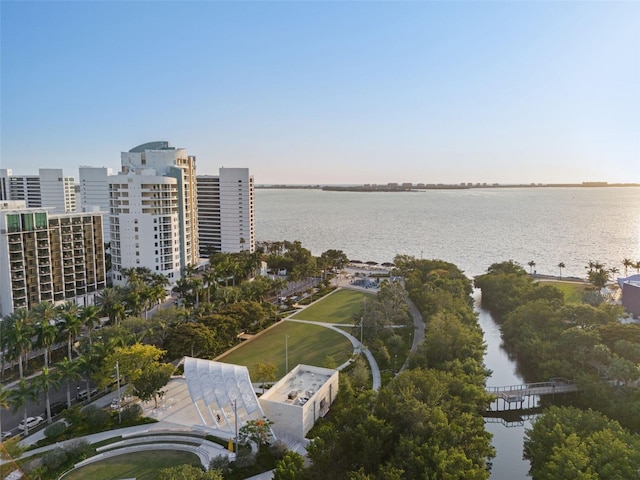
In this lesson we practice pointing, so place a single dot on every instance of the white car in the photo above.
(30, 422)
(6, 435)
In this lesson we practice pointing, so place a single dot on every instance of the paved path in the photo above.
(357, 346)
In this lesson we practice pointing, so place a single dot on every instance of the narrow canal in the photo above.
(507, 438)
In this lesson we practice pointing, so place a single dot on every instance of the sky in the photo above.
(328, 92)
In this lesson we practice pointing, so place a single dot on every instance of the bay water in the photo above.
(471, 228)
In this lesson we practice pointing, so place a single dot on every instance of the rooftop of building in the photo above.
(299, 385)
(157, 145)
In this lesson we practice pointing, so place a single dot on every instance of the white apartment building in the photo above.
(94, 193)
(153, 211)
(46, 257)
(226, 212)
(50, 188)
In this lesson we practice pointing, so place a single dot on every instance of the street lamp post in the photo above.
(361, 338)
(286, 353)
(235, 414)
(119, 398)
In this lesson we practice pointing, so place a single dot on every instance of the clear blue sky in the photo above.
(328, 92)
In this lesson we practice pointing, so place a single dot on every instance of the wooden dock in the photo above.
(525, 396)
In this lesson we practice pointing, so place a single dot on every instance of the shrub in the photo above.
(78, 450)
(55, 458)
(278, 449)
(97, 418)
(55, 430)
(131, 413)
(221, 462)
(245, 458)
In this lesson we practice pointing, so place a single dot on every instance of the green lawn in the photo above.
(339, 307)
(572, 291)
(139, 465)
(307, 344)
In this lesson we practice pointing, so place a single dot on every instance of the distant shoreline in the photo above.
(418, 187)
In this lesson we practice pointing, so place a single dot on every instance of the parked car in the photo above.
(5, 435)
(30, 422)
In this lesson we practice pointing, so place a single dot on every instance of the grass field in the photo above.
(139, 465)
(339, 307)
(572, 291)
(307, 344)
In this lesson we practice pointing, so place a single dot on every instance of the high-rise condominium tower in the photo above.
(153, 211)
(226, 212)
(46, 257)
(50, 188)
(94, 193)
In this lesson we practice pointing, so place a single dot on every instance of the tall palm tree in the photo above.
(90, 317)
(210, 278)
(110, 302)
(47, 332)
(43, 383)
(5, 401)
(70, 313)
(626, 263)
(19, 333)
(88, 365)
(636, 265)
(20, 396)
(561, 265)
(69, 371)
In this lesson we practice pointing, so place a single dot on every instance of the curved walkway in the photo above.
(357, 347)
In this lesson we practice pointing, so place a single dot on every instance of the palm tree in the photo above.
(47, 333)
(561, 265)
(69, 371)
(626, 263)
(88, 365)
(18, 337)
(531, 265)
(5, 401)
(590, 265)
(70, 312)
(614, 270)
(110, 302)
(20, 396)
(210, 278)
(636, 265)
(43, 383)
(90, 317)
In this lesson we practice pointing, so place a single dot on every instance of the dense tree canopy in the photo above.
(569, 443)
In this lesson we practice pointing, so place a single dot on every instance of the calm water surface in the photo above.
(472, 229)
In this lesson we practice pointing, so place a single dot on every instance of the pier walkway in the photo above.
(527, 393)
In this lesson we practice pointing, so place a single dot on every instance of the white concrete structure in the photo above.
(220, 393)
(300, 398)
(50, 189)
(153, 211)
(48, 257)
(226, 212)
(94, 193)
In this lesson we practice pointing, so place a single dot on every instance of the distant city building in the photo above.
(153, 211)
(50, 188)
(94, 193)
(47, 257)
(226, 212)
